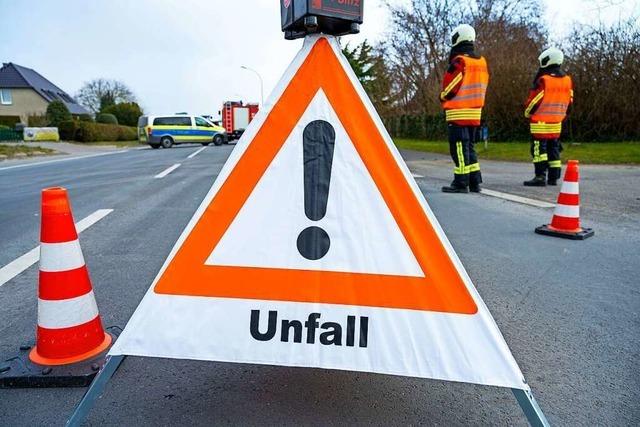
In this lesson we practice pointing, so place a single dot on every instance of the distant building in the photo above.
(24, 92)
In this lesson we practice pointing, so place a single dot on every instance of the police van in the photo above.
(165, 131)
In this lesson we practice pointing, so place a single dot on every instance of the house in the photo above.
(24, 92)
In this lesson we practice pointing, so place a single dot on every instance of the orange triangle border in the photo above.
(442, 289)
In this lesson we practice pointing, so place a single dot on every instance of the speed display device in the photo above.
(335, 17)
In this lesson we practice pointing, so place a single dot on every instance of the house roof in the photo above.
(16, 76)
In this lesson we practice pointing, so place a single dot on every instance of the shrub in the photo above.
(127, 133)
(85, 118)
(57, 113)
(67, 130)
(74, 130)
(38, 120)
(3, 127)
(107, 119)
(10, 121)
(127, 113)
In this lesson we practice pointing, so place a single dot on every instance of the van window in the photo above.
(202, 122)
(160, 121)
(142, 121)
(172, 121)
(184, 121)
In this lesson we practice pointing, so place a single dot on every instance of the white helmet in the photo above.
(462, 33)
(551, 56)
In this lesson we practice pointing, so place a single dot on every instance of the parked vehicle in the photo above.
(236, 116)
(165, 131)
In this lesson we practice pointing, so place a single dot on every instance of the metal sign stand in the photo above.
(95, 390)
(525, 398)
(530, 407)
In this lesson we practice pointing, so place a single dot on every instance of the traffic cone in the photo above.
(566, 216)
(69, 326)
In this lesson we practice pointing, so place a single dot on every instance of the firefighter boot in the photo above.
(538, 181)
(475, 188)
(475, 179)
(455, 188)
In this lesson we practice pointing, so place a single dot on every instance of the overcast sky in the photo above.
(185, 55)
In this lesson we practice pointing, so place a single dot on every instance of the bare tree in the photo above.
(99, 94)
(510, 36)
(604, 62)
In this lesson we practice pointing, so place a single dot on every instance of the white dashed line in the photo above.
(517, 199)
(167, 171)
(20, 264)
(415, 175)
(195, 153)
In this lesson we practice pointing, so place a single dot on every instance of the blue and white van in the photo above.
(165, 131)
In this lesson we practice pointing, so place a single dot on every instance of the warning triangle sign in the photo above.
(315, 247)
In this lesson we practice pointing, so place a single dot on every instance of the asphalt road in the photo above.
(568, 310)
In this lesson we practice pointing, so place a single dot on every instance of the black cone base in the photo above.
(585, 233)
(21, 372)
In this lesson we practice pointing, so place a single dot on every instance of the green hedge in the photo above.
(434, 128)
(7, 134)
(73, 130)
(107, 118)
(417, 126)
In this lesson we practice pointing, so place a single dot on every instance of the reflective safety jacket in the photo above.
(464, 89)
(547, 105)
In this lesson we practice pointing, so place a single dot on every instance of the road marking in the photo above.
(195, 153)
(20, 264)
(415, 175)
(167, 171)
(517, 199)
(66, 159)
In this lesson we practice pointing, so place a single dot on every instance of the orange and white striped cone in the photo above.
(69, 326)
(71, 343)
(566, 216)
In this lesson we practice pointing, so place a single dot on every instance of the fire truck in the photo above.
(236, 116)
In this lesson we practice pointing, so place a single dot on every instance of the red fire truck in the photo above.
(236, 116)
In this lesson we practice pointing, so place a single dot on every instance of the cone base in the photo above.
(20, 372)
(581, 234)
(49, 361)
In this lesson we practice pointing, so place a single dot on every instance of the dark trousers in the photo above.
(462, 141)
(546, 157)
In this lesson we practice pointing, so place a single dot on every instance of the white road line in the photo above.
(195, 153)
(517, 199)
(87, 222)
(66, 159)
(20, 264)
(415, 175)
(167, 171)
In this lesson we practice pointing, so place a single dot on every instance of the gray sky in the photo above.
(185, 55)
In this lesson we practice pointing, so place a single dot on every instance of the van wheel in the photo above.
(155, 146)
(218, 139)
(206, 143)
(166, 142)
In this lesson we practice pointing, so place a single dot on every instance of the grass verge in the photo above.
(113, 143)
(17, 151)
(591, 153)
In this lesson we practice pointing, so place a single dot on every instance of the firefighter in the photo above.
(546, 108)
(463, 92)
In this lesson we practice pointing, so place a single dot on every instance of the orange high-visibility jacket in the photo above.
(465, 108)
(547, 106)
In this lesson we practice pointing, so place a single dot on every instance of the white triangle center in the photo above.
(364, 236)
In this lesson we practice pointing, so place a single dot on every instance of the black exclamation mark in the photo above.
(318, 140)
